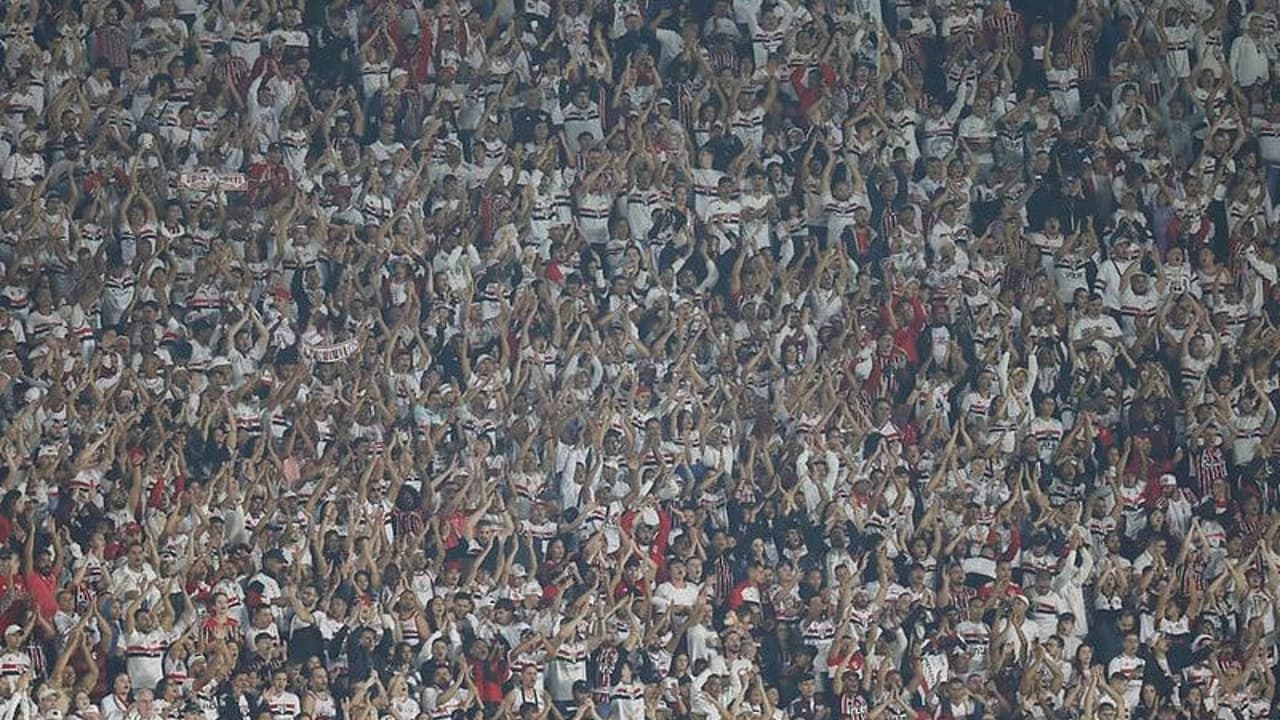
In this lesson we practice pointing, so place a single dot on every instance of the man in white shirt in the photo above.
(1096, 330)
(145, 646)
(28, 94)
(581, 115)
(1046, 605)
(676, 595)
(1152, 556)
(23, 167)
(725, 214)
(1178, 33)
(144, 707)
(708, 695)
(247, 353)
(136, 575)
(445, 694)
(1139, 301)
(265, 109)
(116, 705)
(292, 32)
(282, 704)
(1111, 271)
(454, 166)
(1129, 666)
(1249, 63)
(947, 229)
(14, 660)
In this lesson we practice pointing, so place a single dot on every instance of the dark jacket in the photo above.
(230, 707)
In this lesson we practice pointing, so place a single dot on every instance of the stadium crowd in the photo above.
(626, 360)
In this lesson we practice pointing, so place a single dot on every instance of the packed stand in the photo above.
(573, 359)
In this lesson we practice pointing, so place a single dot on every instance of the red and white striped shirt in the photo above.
(1004, 31)
(1207, 467)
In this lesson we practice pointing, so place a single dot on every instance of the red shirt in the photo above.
(235, 73)
(265, 67)
(554, 274)
(44, 592)
(852, 663)
(113, 550)
(625, 589)
(13, 599)
(1149, 471)
(162, 490)
(906, 337)
(489, 678)
(810, 95)
(214, 629)
(267, 183)
(1004, 31)
(735, 597)
(417, 63)
(112, 43)
(1011, 590)
(884, 379)
(658, 550)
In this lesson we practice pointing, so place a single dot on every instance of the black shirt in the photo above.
(524, 119)
(629, 43)
(1070, 156)
(263, 668)
(331, 56)
(804, 708)
(1045, 202)
(724, 150)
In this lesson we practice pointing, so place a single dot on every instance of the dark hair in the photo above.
(8, 501)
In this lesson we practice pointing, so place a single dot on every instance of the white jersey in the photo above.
(144, 656)
(1044, 611)
(282, 706)
(1048, 434)
(568, 666)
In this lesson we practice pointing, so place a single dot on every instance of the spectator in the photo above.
(811, 359)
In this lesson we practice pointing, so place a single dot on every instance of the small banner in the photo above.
(331, 353)
(206, 179)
